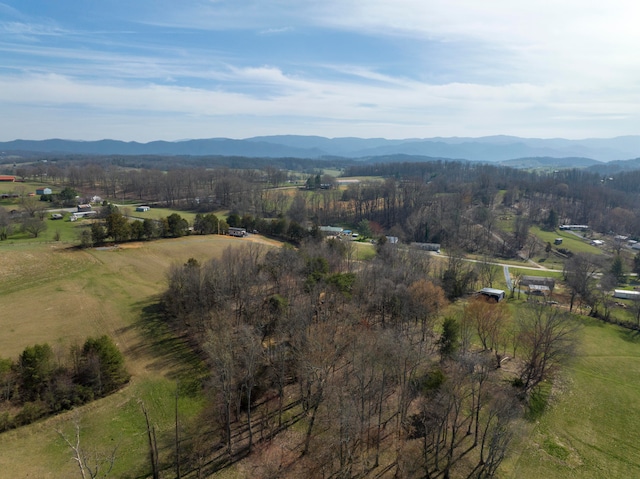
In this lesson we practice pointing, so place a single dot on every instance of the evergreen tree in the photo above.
(617, 269)
(448, 342)
(102, 366)
(36, 370)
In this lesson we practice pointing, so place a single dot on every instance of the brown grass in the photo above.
(61, 296)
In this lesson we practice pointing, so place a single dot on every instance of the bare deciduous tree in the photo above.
(547, 338)
(90, 464)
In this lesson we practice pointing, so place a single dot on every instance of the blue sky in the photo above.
(157, 69)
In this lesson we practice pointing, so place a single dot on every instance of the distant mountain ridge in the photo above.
(485, 149)
(548, 162)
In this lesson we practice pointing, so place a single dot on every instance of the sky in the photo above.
(145, 70)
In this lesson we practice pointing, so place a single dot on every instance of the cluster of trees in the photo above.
(68, 197)
(115, 225)
(43, 382)
(355, 355)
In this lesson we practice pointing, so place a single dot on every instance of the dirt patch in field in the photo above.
(134, 245)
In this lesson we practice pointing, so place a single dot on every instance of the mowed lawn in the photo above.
(50, 293)
(592, 429)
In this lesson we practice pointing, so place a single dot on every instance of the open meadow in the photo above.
(591, 428)
(52, 293)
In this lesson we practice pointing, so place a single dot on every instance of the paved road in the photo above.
(507, 277)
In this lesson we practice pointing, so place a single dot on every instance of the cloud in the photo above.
(276, 30)
(436, 67)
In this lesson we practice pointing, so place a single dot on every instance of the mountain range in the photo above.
(485, 149)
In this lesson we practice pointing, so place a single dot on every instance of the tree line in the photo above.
(43, 381)
(431, 201)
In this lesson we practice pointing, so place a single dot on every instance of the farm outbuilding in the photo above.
(537, 280)
(492, 293)
(538, 290)
(574, 227)
(427, 246)
(626, 294)
(142, 208)
(43, 191)
(331, 230)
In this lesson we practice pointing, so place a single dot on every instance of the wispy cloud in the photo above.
(276, 30)
(350, 67)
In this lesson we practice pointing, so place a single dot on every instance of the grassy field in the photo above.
(51, 293)
(592, 427)
(569, 240)
(155, 213)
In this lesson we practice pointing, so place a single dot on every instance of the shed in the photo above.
(427, 246)
(538, 280)
(142, 208)
(539, 290)
(8, 178)
(331, 230)
(43, 191)
(497, 294)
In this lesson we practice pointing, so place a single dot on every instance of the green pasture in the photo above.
(155, 213)
(591, 428)
(364, 251)
(549, 261)
(57, 231)
(569, 240)
(23, 188)
(536, 272)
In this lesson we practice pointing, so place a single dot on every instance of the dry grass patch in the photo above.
(61, 296)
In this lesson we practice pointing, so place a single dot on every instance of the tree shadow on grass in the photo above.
(630, 336)
(170, 351)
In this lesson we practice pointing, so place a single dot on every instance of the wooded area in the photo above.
(346, 367)
(325, 366)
